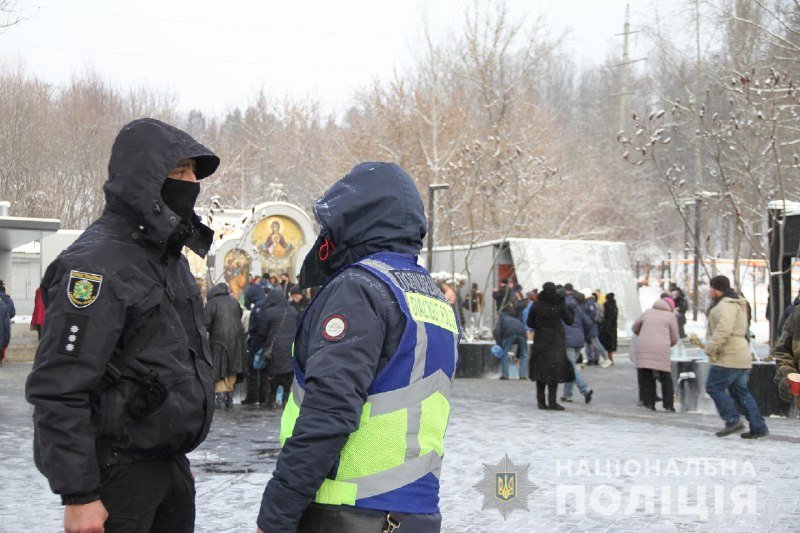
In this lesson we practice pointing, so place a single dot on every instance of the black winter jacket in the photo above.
(376, 207)
(278, 323)
(99, 293)
(223, 319)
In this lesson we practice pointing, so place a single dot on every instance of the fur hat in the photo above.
(721, 283)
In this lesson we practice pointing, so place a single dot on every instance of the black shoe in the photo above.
(751, 435)
(543, 406)
(588, 396)
(730, 428)
(523, 378)
(557, 407)
(503, 377)
(669, 409)
(248, 401)
(565, 399)
(650, 407)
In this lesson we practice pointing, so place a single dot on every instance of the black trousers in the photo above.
(552, 392)
(647, 387)
(284, 380)
(148, 496)
(257, 385)
(341, 519)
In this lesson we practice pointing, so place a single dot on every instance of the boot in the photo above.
(219, 400)
(540, 386)
(228, 399)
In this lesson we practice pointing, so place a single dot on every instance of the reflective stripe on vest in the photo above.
(400, 437)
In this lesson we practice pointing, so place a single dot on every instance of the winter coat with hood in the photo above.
(726, 334)
(657, 331)
(5, 325)
(547, 317)
(126, 262)
(12, 311)
(576, 333)
(276, 326)
(223, 320)
(375, 208)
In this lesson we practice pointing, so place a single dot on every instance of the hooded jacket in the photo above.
(12, 311)
(577, 332)
(277, 325)
(726, 335)
(375, 208)
(99, 294)
(5, 325)
(223, 319)
(657, 331)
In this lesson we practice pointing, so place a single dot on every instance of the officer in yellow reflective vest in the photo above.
(375, 353)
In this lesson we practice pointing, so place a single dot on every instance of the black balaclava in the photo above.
(180, 196)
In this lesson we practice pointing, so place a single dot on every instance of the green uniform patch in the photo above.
(83, 288)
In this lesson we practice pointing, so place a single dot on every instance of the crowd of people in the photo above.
(568, 329)
(254, 344)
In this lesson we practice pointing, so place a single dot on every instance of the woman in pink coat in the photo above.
(657, 332)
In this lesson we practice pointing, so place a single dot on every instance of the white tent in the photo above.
(590, 265)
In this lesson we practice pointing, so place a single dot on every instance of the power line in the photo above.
(196, 22)
(200, 59)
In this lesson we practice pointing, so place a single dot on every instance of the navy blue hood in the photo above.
(254, 294)
(374, 208)
(276, 298)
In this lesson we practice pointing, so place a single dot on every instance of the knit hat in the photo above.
(721, 283)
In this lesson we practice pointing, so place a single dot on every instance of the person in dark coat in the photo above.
(257, 381)
(6, 314)
(275, 333)
(12, 311)
(608, 328)
(111, 435)
(549, 365)
(223, 319)
(298, 300)
(5, 331)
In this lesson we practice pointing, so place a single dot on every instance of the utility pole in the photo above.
(623, 75)
(431, 217)
(698, 201)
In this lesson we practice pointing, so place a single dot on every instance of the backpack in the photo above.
(600, 315)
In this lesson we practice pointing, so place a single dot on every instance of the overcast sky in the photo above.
(217, 55)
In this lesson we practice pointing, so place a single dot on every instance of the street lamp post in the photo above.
(431, 205)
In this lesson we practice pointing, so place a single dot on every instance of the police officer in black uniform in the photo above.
(122, 383)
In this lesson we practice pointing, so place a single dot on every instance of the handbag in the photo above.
(264, 354)
(259, 363)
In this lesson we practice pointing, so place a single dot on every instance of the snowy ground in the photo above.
(632, 469)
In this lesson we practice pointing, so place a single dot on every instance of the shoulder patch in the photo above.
(83, 288)
(334, 327)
